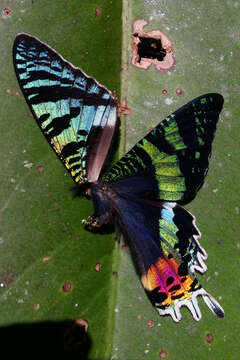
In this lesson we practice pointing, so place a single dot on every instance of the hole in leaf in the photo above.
(150, 48)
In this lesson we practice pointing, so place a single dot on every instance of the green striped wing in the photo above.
(76, 114)
(176, 152)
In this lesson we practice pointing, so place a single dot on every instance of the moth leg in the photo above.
(87, 221)
(118, 234)
(97, 221)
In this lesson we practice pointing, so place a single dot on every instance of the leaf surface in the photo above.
(43, 243)
(206, 55)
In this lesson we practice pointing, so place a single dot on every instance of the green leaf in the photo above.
(42, 242)
(205, 37)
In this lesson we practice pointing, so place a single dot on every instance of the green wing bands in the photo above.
(176, 152)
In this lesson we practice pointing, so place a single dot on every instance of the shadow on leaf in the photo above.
(65, 337)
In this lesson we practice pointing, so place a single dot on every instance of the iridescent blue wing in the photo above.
(174, 156)
(76, 114)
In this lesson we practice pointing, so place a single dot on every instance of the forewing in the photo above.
(76, 114)
(163, 239)
(175, 154)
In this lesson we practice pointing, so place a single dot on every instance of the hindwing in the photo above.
(163, 239)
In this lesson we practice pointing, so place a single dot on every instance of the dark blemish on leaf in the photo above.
(209, 338)
(39, 168)
(115, 273)
(179, 92)
(97, 12)
(97, 267)
(164, 92)
(6, 13)
(163, 354)
(67, 286)
(219, 242)
(149, 323)
(151, 48)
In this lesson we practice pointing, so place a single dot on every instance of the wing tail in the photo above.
(171, 281)
(213, 305)
(193, 306)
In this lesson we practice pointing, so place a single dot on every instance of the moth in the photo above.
(144, 192)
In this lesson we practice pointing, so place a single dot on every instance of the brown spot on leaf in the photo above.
(97, 267)
(97, 12)
(39, 168)
(209, 338)
(163, 354)
(46, 258)
(15, 93)
(179, 92)
(6, 12)
(149, 323)
(67, 286)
